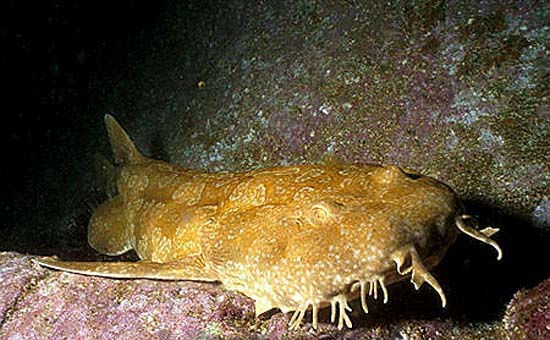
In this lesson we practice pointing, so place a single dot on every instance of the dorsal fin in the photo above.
(124, 150)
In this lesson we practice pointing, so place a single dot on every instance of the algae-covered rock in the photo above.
(528, 314)
(41, 304)
(65, 306)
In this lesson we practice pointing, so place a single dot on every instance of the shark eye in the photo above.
(411, 174)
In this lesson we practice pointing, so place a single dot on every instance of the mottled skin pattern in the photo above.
(294, 238)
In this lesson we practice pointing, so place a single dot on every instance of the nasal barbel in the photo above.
(480, 235)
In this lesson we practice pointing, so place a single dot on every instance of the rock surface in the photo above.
(528, 314)
(56, 305)
(457, 90)
(41, 304)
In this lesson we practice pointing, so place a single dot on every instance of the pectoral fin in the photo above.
(191, 268)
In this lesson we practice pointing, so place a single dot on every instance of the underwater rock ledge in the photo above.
(37, 303)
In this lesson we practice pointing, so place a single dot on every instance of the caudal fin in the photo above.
(124, 150)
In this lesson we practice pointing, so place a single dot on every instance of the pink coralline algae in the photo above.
(41, 304)
(65, 306)
(16, 274)
(528, 314)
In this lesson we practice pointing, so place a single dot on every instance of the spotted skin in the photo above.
(296, 238)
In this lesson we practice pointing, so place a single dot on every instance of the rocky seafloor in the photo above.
(457, 90)
(36, 303)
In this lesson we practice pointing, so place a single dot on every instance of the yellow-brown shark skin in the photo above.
(294, 238)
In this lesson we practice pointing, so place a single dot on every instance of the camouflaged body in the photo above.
(295, 238)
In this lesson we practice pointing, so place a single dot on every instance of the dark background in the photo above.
(58, 61)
